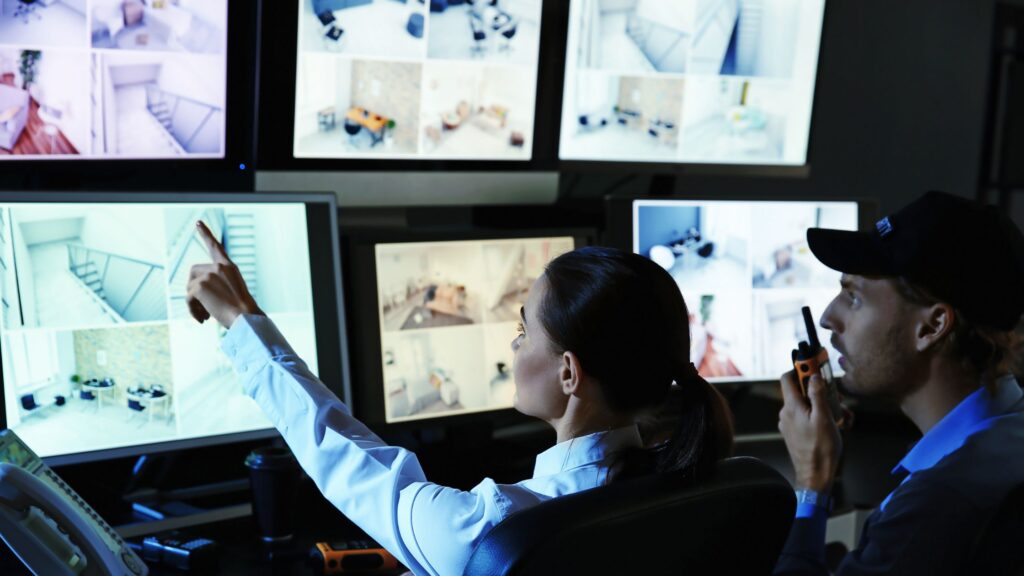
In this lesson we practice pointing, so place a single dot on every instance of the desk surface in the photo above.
(240, 555)
(367, 119)
(241, 551)
(147, 394)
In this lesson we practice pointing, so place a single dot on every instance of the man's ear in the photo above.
(934, 323)
(570, 373)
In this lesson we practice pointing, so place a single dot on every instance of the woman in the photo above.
(604, 335)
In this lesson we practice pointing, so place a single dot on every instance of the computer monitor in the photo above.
(413, 103)
(130, 84)
(745, 271)
(711, 82)
(416, 80)
(439, 313)
(101, 357)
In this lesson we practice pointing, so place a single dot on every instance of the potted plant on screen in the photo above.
(389, 134)
(27, 66)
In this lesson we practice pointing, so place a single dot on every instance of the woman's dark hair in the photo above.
(625, 320)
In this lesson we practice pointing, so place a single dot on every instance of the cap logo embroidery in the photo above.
(884, 227)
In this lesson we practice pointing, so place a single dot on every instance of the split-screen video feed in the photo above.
(99, 350)
(745, 271)
(701, 81)
(83, 79)
(448, 315)
(451, 79)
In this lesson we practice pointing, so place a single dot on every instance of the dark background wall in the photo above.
(900, 108)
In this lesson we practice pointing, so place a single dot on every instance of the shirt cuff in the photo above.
(252, 342)
(810, 502)
(813, 511)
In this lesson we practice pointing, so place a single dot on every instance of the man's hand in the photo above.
(811, 435)
(217, 289)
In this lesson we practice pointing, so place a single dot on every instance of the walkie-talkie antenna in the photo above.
(812, 333)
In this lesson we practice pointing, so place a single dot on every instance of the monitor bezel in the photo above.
(233, 172)
(332, 340)
(367, 399)
(794, 171)
(619, 209)
(276, 131)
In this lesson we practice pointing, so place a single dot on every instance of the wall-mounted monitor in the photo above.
(125, 89)
(411, 103)
(113, 79)
(437, 343)
(745, 271)
(718, 82)
(448, 80)
(100, 355)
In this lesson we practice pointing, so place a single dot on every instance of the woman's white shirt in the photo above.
(431, 529)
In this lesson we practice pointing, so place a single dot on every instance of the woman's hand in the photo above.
(217, 290)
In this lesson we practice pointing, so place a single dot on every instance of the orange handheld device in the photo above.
(357, 556)
(811, 358)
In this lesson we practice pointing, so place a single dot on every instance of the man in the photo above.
(925, 319)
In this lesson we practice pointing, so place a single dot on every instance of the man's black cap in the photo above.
(968, 255)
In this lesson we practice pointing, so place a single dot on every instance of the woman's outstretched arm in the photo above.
(429, 528)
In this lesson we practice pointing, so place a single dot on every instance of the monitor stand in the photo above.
(156, 510)
(472, 451)
(469, 434)
(663, 184)
(453, 454)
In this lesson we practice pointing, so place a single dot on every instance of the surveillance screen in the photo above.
(745, 271)
(690, 81)
(452, 80)
(112, 79)
(448, 315)
(98, 348)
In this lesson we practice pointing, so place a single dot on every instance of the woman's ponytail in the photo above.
(698, 424)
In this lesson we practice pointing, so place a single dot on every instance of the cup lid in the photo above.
(271, 457)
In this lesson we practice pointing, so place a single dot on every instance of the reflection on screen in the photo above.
(416, 80)
(96, 79)
(745, 271)
(448, 315)
(99, 350)
(691, 81)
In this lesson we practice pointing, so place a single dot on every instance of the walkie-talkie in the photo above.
(358, 556)
(811, 358)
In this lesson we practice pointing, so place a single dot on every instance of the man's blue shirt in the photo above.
(955, 478)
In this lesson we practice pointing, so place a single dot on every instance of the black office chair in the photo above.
(352, 128)
(735, 522)
(999, 548)
(28, 402)
(333, 35)
(326, 18)
(508, 33)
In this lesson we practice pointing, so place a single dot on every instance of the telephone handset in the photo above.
(48, 525)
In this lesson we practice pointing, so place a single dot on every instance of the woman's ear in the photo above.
(570, 373)
(934, 323)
